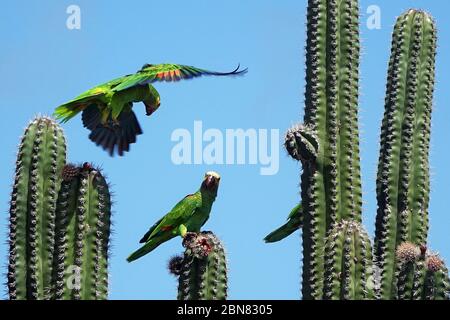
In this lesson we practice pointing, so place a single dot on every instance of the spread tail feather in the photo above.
(282, 232)
(142, 251)
(113, 136)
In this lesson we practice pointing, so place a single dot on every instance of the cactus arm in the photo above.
(203, 270)
(403, 177)
(331, 188)
(83, 231)
(41, 157)
(348, 266)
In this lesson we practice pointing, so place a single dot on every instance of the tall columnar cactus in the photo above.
(83, 220)
(420, 275)
(41, 157)
(330, 182)
(348, 270)
(403, 170)
(202, 271)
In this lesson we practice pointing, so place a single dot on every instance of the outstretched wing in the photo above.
(93, 96)
(177, 216)
(170, 72)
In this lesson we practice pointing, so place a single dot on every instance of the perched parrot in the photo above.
(107, 108)
(295, 221)
(189, 215)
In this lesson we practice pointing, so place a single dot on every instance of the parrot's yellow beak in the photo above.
(212, 179)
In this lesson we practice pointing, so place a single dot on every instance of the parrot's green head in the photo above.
(211, 181)
(152, 104)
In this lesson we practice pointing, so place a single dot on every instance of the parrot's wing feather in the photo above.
(110, 136)
(182, 211)
(68, 110)
(169, 73)
(149, 232)
(296, 212)
(294, 223)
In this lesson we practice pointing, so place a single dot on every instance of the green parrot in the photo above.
(189, 215)
(295, 221)
(107, 108)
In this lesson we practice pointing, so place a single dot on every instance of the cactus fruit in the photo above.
(202, 270)
(403, 170)
(331, 186)
(348, 270)
(41, 157)
(83, 220)
(420, 275)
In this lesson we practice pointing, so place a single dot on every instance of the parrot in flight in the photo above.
(189, 215)
(295, 221)
(107, 108)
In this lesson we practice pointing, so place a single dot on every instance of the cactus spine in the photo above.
(420, 275)
(202, 270)
(83, 220)
(348, 271)
(331, 182)
(403, 170)
(42, 154)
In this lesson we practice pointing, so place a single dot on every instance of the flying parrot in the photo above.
(107, 109)
(189, 215)
(295, 221)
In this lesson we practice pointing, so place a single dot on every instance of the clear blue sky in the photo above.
(43, 64)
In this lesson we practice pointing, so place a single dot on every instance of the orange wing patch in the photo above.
(171, 75)
(166, 228)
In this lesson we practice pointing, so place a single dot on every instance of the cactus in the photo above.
(202, 271)
(83, 220)
(42, 154)
(348, 271)
(328, 141)
(420, 275)
(403, 170)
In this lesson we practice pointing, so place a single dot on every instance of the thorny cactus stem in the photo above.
(403, 169)
(42, 154)
(331, 186)
(83, 222)
(349, 270)
(421, 275)
(202, 270)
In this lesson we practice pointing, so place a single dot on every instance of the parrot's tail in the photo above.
(282, 232)
(113, 136)
(142, 251)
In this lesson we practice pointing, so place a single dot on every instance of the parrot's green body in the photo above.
(107, 108)
(189, 215)
(294, 223)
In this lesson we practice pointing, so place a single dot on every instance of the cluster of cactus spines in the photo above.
(331, 187)
(42, 154)
(348, 269)
(202, 271)
(302, 145)
(420, 275)
(83, 220)
(403, 170)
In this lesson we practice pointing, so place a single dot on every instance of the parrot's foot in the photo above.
(198, 244)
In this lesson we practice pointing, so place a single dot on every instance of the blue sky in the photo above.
(43, 64)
